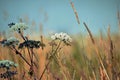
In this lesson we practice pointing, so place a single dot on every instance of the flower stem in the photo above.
(27, 47)
(50, 60)
(17, 52)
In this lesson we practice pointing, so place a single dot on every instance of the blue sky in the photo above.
(60, 16)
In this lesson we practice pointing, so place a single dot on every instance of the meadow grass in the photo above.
(79, 61)
(88, 57)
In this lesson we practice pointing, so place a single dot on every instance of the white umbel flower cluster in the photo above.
(7, 64)
(10, 42)
(61, 36)
(19, 27)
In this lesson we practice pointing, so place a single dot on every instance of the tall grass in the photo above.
(89, 58)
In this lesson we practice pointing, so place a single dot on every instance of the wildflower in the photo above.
(30, 44)
(8, 74)
(7, 64)
(18, 26)
(62, 36)
(10, 42)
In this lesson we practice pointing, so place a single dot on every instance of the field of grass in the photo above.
(85, 57)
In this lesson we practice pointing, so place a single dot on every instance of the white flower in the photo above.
(19, 27)
(68, 38)
(11, 41)
(56, 35)
(62, 36)
(7, 64)
(53, 37)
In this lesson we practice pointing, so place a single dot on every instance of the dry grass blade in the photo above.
(109, 38)
(89, 33)
(94, 75)
(74, 75)
(111, 54)
(75, 12)
(102, 74)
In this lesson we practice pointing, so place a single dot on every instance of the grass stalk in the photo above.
(111, 54)
(75, 12)
(97, 52)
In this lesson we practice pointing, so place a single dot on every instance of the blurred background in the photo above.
(52, 16)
